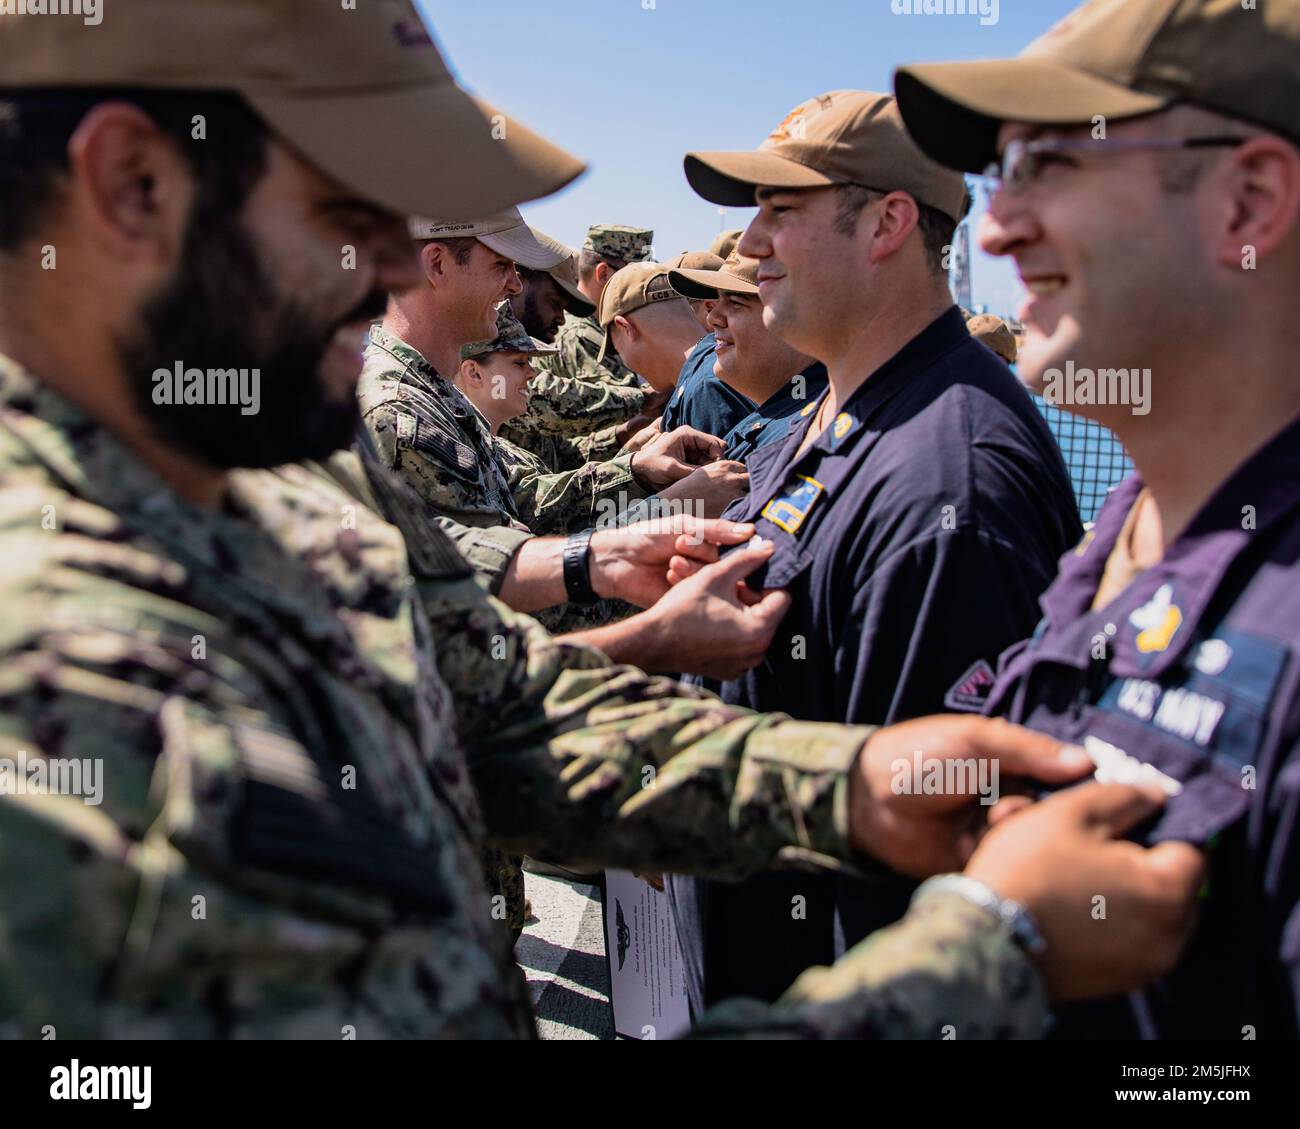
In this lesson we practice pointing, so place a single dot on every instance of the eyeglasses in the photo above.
(1023, 160)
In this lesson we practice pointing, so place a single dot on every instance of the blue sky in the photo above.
(632, 85)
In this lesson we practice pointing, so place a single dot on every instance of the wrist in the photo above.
(603, 554)
(1017, 920)
(576, 565)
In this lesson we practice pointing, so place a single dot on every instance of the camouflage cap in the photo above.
(735, 276)
(726, 242)
(511, 337)
(628, 290)
(565, 274)
(996, 334)
(360, 90)
(1115, 59)
(630, 244)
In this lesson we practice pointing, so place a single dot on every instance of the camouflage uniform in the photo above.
(307, 724)
(438, 443)
(573, 407)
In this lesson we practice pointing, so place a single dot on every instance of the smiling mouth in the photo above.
(1045, 286)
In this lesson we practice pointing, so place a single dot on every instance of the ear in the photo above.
(1261, 201)
(627, 326)
(471, 374)
(131, 182)
(890, 224)
(433, 262)
(602, 274)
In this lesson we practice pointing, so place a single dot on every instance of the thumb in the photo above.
(1180, 867)
(735, 566)
(1111, 809)
(770, 608)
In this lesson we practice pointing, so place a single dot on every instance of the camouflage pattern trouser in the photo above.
(505, 878)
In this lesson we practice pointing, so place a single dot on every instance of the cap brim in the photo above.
(606, 347)
(708, 283)
(429, 150)
(730, 178)
(954, 110)
(578, 304)
(520, 245)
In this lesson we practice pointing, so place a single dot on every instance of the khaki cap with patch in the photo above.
(736, 276)
(565, 274)
(362, 93)
(628, 290)
(844, 137)
(992, 331)
(1117, 59)
(505, 233)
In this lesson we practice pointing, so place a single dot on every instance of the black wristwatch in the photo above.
(577, 568)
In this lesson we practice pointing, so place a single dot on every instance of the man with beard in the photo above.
(305, 721)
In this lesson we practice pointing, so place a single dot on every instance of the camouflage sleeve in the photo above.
(569, 501)
(571, 406)
(948, 970)
(599, 445)
(452, 499)
(576, 758)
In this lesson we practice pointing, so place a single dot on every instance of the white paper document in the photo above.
(646, 977)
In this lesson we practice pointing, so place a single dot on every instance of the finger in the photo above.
(746, 596)
(771, 608)
(673, 469)
(1177, 867)
(734, 567)
(1111, 809)
(1008, 806)
(711, 529)
(682, 568)
(686, 546)
(698, 443)
(1022, 752)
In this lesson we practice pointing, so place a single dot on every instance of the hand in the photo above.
(713, 624)
(688, 445)
(632, 563)
(655, 471)
(708, 490)
(894, 819)
(1057, 856)
(654, 881)
(642, 437)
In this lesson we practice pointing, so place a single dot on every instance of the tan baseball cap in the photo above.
(996, 334)
(844, 137)
(361, 92)
(726, 242)
(628, 290)
(505, 233)
(565, 273)
(1117, 59)
(736, 276)
(695, 260)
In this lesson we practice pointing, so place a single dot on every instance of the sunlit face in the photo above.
(266, 290)
(748, 353)
(497, 384)
(1114, 269)
(476, 289)
(804, 264)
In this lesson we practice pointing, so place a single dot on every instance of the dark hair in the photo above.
(588, 260)
(36, 126)
(460, 246)
(937, 230)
